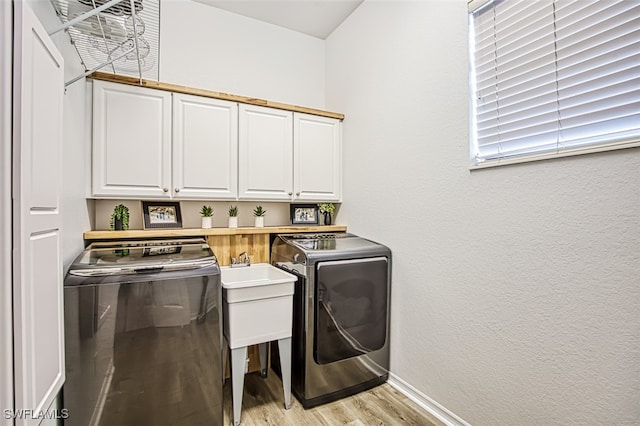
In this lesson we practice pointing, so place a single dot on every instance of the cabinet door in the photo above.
(131, 141)
(265, 153)
(317, 162)
(38, 322)
(205, 147)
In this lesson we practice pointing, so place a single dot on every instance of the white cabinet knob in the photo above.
(177, 189)
(165, 189)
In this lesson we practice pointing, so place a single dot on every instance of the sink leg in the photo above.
(262, 347)
(238, 359)
(284, 347)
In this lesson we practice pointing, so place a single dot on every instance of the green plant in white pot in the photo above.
(233, 216)
(327, 209)
(207, 216)
(259, 214)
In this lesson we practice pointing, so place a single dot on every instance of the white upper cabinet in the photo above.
(131, 141)
(205, 147)
(265, 170)
(317, 164)
(289, 156)
(151, 143)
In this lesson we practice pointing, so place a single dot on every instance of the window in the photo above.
(552, 78)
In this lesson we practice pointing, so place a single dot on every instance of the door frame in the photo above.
(6, 271)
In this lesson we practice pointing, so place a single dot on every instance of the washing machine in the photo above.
(143, 334)
(340, 339)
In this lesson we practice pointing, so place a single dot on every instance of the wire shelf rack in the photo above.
(115, 36)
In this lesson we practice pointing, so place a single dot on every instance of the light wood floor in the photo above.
(263, 404)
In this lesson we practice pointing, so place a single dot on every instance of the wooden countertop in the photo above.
(199, 232)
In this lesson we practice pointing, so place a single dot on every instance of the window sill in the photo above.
(547, 156)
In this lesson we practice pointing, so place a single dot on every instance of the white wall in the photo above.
(278, 214)
(209, 48)
(516, 292)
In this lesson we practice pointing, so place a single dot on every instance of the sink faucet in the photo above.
(243, 260)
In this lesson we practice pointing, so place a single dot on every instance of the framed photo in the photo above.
(304, 214)
(161, 214)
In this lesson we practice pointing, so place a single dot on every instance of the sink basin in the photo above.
(256, 274)
(258, 281)
(258, 304)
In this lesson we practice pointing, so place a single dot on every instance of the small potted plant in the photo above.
(120, 218)
(233, 216)
(207, 216)
(259, 214)
(327, 209)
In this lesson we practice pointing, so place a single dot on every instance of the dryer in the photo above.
(340, 313)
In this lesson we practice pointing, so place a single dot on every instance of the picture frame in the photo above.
(161, 214)
(304, 214)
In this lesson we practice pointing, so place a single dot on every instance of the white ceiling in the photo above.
(317, 18)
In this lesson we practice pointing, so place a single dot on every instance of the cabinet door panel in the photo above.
(266, 153)
(205, 147)
(131, 141)
(38, 328)
(317, 158)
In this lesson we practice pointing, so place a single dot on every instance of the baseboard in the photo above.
(428, 404)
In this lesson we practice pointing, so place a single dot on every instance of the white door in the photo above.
(205, 147)
(37, 262)
(317, 151)
(265, 169)
(131, 141)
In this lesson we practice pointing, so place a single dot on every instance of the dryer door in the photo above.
(350, 308)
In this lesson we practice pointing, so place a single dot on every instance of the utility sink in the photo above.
(258, 308)
(258, 304)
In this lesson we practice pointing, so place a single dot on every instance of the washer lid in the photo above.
(335, 242)
(135, 257)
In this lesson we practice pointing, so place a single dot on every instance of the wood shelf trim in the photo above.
(198, 232)
(132, 81)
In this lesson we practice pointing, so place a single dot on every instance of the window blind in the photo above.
(551, 77)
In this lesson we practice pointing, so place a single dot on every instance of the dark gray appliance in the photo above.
(340, 314)
(143, 335)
